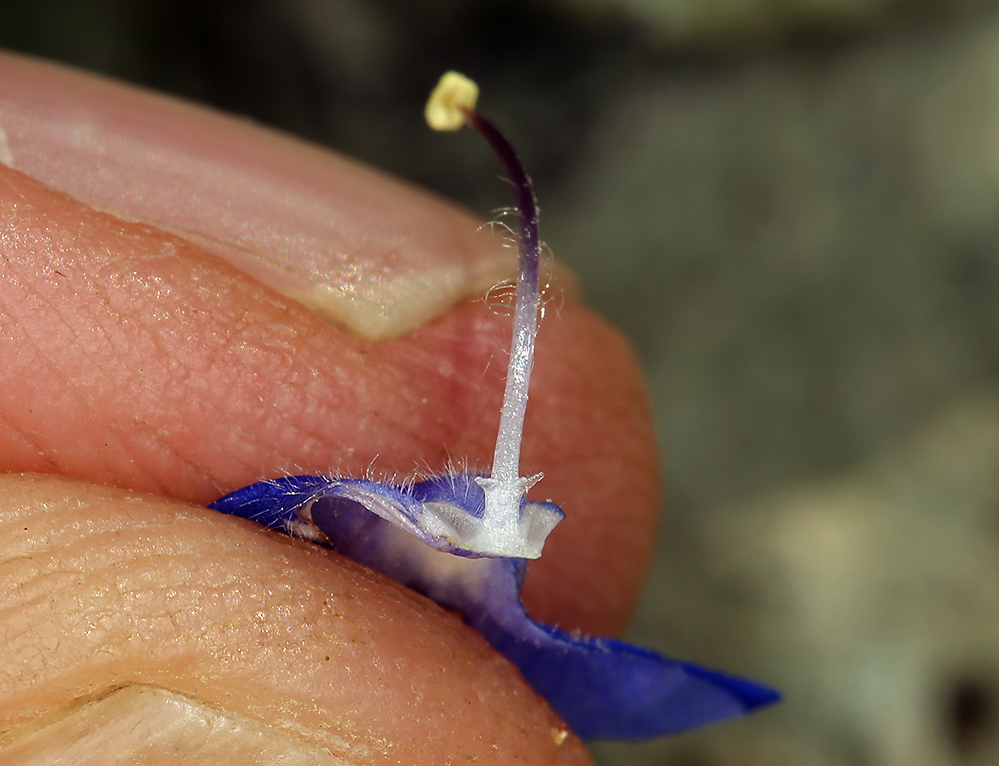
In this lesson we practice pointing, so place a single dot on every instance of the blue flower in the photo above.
(604, 688)
(463, 540)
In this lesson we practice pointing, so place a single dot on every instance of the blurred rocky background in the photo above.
(792, 206)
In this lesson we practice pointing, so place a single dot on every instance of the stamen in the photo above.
(603, 688)
(454, 95)
(451, 104)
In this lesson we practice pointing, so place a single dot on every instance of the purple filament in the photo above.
(506, 461)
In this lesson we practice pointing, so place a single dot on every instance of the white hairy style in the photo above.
(509, 527)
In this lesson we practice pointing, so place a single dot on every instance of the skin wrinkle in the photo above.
(183, 370)
(28, 344)
(178, 372)
(9, 434)
(126, 442)
(300, 397)
(52, 311)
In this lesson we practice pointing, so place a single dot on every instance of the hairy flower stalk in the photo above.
(451, 105)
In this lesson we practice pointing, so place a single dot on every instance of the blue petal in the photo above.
(603, 688)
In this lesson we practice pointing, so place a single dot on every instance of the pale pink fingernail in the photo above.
(372, 254)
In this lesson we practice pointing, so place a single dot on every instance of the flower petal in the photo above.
(602, 687)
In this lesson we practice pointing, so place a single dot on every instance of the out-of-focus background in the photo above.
(792, 206)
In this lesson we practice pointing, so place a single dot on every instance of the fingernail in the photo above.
(373, 255)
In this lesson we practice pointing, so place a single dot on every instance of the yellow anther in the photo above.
(446, 106)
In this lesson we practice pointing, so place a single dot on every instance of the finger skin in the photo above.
(106, 588)
(136, 359)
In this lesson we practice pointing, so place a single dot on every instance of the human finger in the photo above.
(284, 650)
(149, 362)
